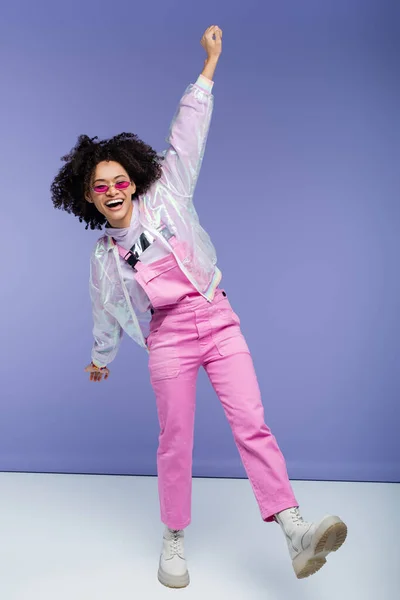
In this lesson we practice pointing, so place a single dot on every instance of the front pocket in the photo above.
(147, 273)
(161, 282)
(226, 332)
(156, 326)
(223, 313)
(228, 316)
(164, 360)
(234, 344)
(161, 369)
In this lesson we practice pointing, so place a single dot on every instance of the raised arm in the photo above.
(189, 129)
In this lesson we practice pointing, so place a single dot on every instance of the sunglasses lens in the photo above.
(103, 189)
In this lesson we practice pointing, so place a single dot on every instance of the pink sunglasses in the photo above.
(103, 189)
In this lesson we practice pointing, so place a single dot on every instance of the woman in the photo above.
(156, 264)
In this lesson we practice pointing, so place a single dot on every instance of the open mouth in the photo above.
(114, 204)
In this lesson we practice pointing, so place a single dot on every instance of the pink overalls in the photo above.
(186, 333)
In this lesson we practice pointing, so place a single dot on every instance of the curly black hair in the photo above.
(68, 188)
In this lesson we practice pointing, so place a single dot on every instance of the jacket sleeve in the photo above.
(107, 332)
(187, 140)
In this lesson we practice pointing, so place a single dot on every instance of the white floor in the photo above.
(98, 538)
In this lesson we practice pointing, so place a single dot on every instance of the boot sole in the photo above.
(173, 581)
(329, 537)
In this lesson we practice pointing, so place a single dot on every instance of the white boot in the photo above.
(310, 543)
(173, 572)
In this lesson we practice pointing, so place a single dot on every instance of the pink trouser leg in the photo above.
(233, 377)
(235, 382)
(174, 383)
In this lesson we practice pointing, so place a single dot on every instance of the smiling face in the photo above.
(111, 192)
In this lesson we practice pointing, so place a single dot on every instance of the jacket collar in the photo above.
(108, 242)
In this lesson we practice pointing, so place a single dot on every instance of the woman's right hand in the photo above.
(97, 373)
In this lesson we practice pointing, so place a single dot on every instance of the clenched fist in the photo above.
(212, 42)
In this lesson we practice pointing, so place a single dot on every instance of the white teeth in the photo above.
(114, 202)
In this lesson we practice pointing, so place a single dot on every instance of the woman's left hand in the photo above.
(212, 42)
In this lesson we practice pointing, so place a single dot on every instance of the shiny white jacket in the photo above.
(167, 203)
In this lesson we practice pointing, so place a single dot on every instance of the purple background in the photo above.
(303, 160)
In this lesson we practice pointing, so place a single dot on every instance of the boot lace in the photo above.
(296, 516)
(176, 548)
